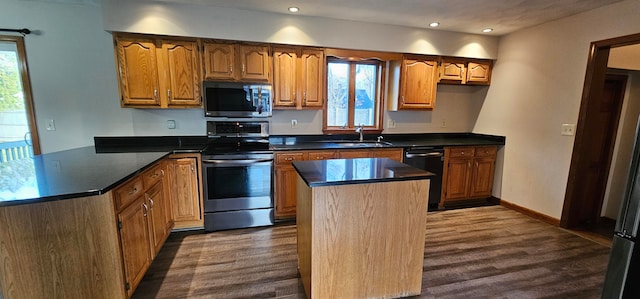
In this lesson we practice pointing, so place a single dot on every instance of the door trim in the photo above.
(593, 88)
(26, 89)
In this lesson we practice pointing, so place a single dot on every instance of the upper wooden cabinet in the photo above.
(299, 77)
(455, 70)
(236, 62)
(158, 73)
(413, 83)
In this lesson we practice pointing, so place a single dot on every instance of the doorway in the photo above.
(18, 133)
(595, 137)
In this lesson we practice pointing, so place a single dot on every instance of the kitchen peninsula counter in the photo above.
(361, 227)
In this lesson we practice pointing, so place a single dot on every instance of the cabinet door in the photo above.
(219, 61)
(285, 191)
(479, 72)
(185, 203)
(312, 77)
(138, 70)
(182, 73)
(135, 240)
(284, 77)
(254, 63)
(394, 154)
(482, 177)
(159, 218)
(453, 71)
(418, 87)
(458, 177)
(354, 154)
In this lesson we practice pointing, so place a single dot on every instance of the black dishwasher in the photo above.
(430, 159)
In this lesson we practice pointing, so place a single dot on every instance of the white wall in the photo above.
(536, 86)
(619, 170)
(72, 72)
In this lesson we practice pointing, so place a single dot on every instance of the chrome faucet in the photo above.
(360, 129)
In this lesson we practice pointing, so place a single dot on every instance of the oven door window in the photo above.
(250, 180)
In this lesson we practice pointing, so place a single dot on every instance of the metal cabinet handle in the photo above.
(152, 203)
(402, 99)
(133, 191)
(146, 209)
(230, 68)
(155, 175)
(169, 94)
(243, 68)
(155, 94)
(162, 172)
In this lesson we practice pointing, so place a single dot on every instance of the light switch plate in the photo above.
(568, 129)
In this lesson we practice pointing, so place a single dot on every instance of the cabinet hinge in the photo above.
(119, 225)
(127, 286)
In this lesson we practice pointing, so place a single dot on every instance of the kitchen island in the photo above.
(361, 227)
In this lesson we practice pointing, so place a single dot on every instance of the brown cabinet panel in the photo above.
(255, 63)
(453, 71)
(312, 76)
(479, 72)
(159, 218)
(285, 61)
(352, 154)
(185, 201)
(468, 172)
(321, 155)
(135, 240)
(418, 82)
(128, 192)
(299, 76)
(138, 72)
(183, 73)
(285, 191)
(219, 61)
(394, 154)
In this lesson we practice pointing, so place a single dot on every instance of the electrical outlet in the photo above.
(294, 123)
(443, 124)
(568, 129)
(391, 124)
(51, 125)
(171, 124)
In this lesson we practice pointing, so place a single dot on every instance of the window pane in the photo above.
(337, 94)
(366, 78)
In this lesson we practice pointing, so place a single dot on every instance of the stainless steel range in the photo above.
(237, 172)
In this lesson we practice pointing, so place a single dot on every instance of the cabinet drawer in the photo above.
(458, 152)
(322, 155)
(288, 158)
(486, 151)
(128, 192)
(153, 175)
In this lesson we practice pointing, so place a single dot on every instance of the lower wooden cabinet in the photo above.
(285, 175)
(144, 224)
(186, 202)
(468, 173)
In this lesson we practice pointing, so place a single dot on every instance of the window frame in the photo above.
(377, 128)
(26, 89)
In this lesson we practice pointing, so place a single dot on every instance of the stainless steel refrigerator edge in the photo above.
(623, 272)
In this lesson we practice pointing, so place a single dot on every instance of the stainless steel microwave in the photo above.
(226, 99)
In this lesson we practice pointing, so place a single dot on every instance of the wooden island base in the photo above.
(362, 240)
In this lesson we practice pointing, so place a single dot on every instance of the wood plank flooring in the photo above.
(484, 252)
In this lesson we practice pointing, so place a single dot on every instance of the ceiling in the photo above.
(469, 16)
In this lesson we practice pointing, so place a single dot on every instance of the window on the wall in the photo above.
(353, 95)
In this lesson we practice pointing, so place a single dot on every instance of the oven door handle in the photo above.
(237, 162)
(432, 154)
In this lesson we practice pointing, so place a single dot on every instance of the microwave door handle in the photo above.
(237, 162)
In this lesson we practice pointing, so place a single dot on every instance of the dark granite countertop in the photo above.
(318, 173)
(311, 142)
(69, 174)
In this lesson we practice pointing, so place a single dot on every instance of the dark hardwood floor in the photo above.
(484, 252)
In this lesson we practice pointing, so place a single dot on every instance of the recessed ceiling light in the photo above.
(434, 24)
(293, 9)
(487, 30)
